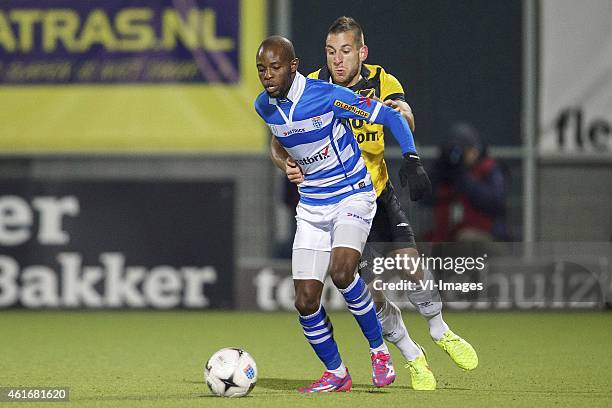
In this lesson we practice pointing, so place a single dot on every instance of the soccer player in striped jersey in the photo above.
(346, 52)
(337, 200)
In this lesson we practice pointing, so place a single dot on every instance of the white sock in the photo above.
(340, 371)
(382, 347)
(394, 331)
(408, 348)
(437, 327)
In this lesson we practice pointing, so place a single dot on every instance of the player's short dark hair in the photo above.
(344, 24)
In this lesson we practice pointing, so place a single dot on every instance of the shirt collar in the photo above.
(296, 90)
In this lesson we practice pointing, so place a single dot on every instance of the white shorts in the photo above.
(318, 231)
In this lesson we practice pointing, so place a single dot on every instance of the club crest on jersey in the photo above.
(368, 93)
(322, 155)
(343, 105)
(317, 123)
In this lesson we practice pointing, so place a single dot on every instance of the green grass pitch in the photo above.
(155, 359)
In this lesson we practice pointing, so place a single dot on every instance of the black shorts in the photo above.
(390, 231)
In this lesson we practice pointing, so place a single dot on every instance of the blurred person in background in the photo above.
(469, 191)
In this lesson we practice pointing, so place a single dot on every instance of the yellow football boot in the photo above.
(420, 373)
(459, 350)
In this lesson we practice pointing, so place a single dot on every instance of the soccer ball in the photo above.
(230, 372)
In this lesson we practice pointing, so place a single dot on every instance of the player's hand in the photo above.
(294, 172)
(413, 174)
(392, 104)
(403, 108)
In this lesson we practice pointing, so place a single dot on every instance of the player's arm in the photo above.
(348, 105)
(403, 108)
(278, 154)
(283, 161)
(393, 97)
(412, 172)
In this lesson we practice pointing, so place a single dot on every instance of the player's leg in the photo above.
(315, 323)
(310, 261)
(351, 227)
(428, 302)
(389, 315)
(401, 241)
(426, 299)
(342, 268)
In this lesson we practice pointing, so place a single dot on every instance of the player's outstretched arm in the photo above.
(396, 121)
(348, 105)
(412, 172)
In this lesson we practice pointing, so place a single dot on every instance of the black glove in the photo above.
(413, 174)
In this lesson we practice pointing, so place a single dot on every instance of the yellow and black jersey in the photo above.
(377, 83)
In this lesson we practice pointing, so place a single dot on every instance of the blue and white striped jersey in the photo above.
(308, 124)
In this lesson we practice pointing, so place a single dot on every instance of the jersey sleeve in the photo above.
(257, 107)
(390, 88)
(348, 105)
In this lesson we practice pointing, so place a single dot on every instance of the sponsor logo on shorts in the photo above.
(359, 217)
(343, 105)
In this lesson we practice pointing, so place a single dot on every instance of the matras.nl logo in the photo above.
(118, 41)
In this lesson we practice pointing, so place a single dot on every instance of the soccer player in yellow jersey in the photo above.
(346, 52)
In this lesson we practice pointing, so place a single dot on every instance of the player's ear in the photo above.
(363, 53)
(294, 64)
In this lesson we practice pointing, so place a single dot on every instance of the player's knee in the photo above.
(343, 266)
(342, 274)
(306, 305)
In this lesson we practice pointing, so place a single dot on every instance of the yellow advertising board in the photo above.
(124, 76)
